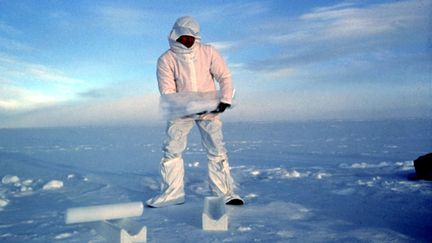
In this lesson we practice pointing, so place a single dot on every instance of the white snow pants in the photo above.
(172, 165)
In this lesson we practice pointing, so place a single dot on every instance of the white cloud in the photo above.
(48, 74)
(127, 110)
(25, 86)
(14, 98)
(224, 45)
(344, 43)
(255, 106)
(373, 103)
(15, 69)
(347, 38)
(348, 22)
(333, 7)
(6, 60)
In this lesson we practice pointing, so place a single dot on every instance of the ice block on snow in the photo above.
(188, 103)
(124, 231)
(104, 212)
(214, 216)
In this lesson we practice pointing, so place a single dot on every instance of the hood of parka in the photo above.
(185, 25)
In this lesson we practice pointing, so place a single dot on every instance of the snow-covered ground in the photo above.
(303, 182)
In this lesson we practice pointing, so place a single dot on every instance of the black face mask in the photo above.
(186, 40)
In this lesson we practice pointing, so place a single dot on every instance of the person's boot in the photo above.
(221, 181)
(172, 173)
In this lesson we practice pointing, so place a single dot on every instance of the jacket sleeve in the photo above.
(221, 73)
(165, 76)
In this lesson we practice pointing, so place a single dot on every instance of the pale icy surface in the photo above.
(302, 182)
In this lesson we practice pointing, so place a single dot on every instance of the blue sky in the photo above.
(65, 63)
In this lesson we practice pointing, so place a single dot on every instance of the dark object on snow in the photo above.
(423, 166)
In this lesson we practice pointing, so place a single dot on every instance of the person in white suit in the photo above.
(192, 67)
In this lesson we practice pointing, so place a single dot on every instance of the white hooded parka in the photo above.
(194, 69)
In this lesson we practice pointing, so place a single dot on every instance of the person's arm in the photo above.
(165, 77)
(221, 73)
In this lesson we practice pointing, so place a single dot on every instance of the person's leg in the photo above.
(172, 165)
(219, 173)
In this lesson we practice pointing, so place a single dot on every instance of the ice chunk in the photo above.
(52, 185)
(244, 228)
(251, 195)
(194, 164)
(118, 232)
(321, 175)
(27, 182)
(10, 179)
(104, 212)
(3, 202)
(288, 234)
(26, 189)
(188, 103)
(255, 172)
(214, 216)
(63, 236)
(295, 174)
(135, 231)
